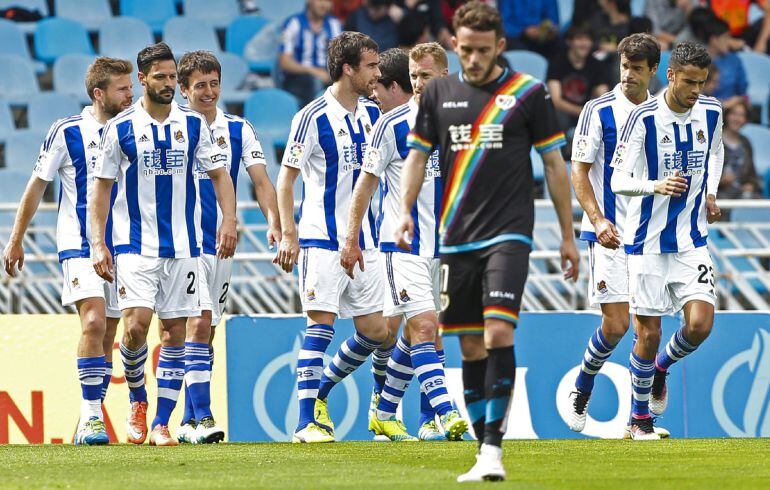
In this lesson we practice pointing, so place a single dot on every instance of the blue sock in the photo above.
(353, 352)
(309, 368)
(430, 374)
(498, 390)
(133, 367)
(597, 352)
(427, 413)
(197, 377)
(474, 373)
(91, 374)
(189, 410)
(399, 375)
(677, 348)
(107, 379)
(170, 375)
(642, 372)
(380, 358)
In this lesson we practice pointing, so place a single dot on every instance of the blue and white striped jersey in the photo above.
(71, 149)
(306, 46)
(657, 143)
(157, 212)
(327, 144)
(237, 140)
(384, 158)
(596, 135)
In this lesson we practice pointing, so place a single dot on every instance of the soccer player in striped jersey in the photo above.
(70, 149)
(199, 79)
(592, 147)
(411, 275)
(154, 150)
(326, 144)
(669, 160)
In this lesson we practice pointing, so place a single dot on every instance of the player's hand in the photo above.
(227, 238)
(671, 186)
(13, 255)
(570, 256)
(273, 237)
(288, 254)
(102, 259)
(405, 232)
(350, 256)
(713, 213)
(607, 234)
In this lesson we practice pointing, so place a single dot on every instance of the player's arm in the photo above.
(256, 166)
(760, 45)
(562, 104)
(13, 254)
(227, 235)
(362, 195)
(105, 173)
(558, 187)
(715, 165)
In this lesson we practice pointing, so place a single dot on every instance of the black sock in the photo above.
(498, 390)
(474, 373)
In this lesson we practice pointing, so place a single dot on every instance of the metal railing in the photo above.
(741, 251)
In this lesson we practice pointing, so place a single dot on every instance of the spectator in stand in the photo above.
(530, 24)
(411, 32)
(305, 39)
(736, 14)
(343, 8)
(427, 13)
(377, 19)
(669, 19)
(712, 81)
(732, 84)
(574, 76)
(611, 24)
(739, 177)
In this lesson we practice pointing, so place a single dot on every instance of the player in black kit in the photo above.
(485, 120)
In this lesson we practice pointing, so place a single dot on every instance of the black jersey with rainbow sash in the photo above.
(485, 135)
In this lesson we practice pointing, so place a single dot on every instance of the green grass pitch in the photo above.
(588, 464)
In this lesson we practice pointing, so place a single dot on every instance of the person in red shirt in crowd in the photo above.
(736, 14)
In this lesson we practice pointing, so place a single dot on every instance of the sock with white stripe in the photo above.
(353, 352)
(380, 358)
(170, 375)
(107, 379)
(474, 373)
(498, 391)
(427, 413)
(430, 374)
(91, 374)
(197, 377)
(597, 352)
(398, 376)
(133, 368)
(642, 373)
(677, 348)
(310, 364)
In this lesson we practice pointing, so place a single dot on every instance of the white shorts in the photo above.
(214, 281)
(661, 284)
(324, 285)
(167, 286)
(81, 281)
(413, 284)
(607, 275)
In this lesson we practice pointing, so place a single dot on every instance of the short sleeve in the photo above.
(588, 135)
(53, 155)
(424, 136)
(629, 149)
(302, 135)
(208, 157)
(379, 153)
(252, 153)
(110, 154)
(543, 125)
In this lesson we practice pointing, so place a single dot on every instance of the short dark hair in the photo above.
(715, 27)
(394, 67)
(478, 16)
(149, 55)
(640, 46)
(689, 53)
(203, 61)
(347, 49)
(575, 30)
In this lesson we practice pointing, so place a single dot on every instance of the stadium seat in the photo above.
(262, 55)
(566, 8)
(69, 75)
(13, 41)
(7, 126)
(241, 30)
(185, 34)
(453, 62)
(47, 107)
(637, 7)
(218, 13)
(759, 136)
(234, 71)
(757, 68)
(90, 13)
(275, 122)
(21, 150)
(662, 67)
(56, 37)
(154, 12)
(124, 37)
(18, 83)
(527, 62)
(279, 10)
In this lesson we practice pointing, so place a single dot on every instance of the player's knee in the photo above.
(93, 326)
(649, 336)
(698, 330)
(199, 330)
(472, 347)
(498, 333)
(424, 331)
(614, 327)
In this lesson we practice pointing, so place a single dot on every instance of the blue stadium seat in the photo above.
(528, 62)
(234, 71)
(757, 66)
(759, 136)
(90, 13)
(69, 73)
(241, 30)
(124, 37)
(262, 55)
(13, 41)
(274, 122)
(7, 126)
(566, 8)
(18, 83)
(453, 62)
(56, 37)
(154, 12)
(218, 13)
(22, 148)
(47, 107)
(184, 34)
(279, 10)
(665, 56)
(637, 7)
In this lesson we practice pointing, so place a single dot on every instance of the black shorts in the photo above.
(481, 284)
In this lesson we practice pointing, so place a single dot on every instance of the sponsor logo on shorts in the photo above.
(602, 287)
(444, 300)
(221, 142)
(310, 294)
(404, 296)
(122, 292)
(75, 282)
(502, 294)
(179, 136)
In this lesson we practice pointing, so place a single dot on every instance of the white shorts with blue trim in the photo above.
(82, 282)
(607, 275)
(412, 284)
(214, 281)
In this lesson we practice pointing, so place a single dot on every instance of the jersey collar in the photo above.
(337, 110)
(666, 115)
(220, 121)
(88, 117)
(144, 119)
(619, 95)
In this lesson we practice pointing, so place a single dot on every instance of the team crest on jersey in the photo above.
(602, 287)
(404, 296)
(122, 292)
(179, 137)
(310, 294)
(75, 282)
(221, 142)
(367, 128)
(505, 102)
(700, 136)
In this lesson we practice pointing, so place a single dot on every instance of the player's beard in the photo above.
(113, 109)
(157, 97)
(484, 76)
